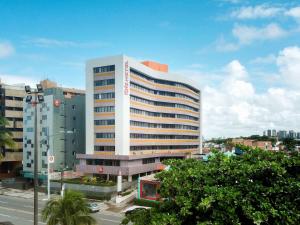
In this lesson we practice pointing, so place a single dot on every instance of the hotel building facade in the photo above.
(137, 115)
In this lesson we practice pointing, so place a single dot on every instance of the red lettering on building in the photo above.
(126, 80)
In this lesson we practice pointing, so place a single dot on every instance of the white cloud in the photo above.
(271, 58)
(48, 42)
(294, 12)
(233, 107)
(18, 79)
(248, 34)
(288, 62)
(223, 46)
(6, 49)
(254, 12)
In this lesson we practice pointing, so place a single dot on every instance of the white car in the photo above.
(94, 207)
(133, 208)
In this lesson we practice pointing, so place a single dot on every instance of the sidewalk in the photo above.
(19, 193)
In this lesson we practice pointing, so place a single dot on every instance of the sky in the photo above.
(243, 55)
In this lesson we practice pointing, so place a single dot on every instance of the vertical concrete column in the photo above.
(119, 182)
(107, 177)
(129, 178)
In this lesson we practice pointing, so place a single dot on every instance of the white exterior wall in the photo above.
(122, 101)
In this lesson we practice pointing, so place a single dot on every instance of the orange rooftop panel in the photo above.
(157, 66)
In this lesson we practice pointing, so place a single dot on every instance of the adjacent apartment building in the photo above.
(11, 107)
(137, 115)
(61, 129)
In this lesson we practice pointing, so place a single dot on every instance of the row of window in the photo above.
(108, 95)
(168, 115)
(14, 98)
(105, 135)
(103, 162)
(161, 125)
(164, 104)
(106, 82)
(172, 83)
(104, 122)
(162, 147)
(14, 119)
(19, 109)
(163, 93)
(161, 136)
(104, 109)
(104, 148)
(104, 69)
(148, 160)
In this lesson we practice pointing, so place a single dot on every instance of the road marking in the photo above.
(28, 206)
(4, 215)
(2, 201)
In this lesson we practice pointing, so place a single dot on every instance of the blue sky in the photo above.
(210, 41)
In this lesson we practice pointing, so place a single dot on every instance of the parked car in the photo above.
(134, 208)
(94, 207)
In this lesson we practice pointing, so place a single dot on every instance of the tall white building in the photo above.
(137, 114)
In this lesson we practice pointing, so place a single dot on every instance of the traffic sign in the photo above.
(50, 159)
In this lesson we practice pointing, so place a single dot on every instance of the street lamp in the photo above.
(37, 99)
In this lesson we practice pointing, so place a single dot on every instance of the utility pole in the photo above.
(36, 179)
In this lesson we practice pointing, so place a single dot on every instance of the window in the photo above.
(105, 135)
(162, 125)
(73, 107)
(161, 136)
(163, 93)
(104, 122)
(104, 109)
(104, 69)
(28, 165)
(29, 129)
(104, 148)
(109, 95)
(162, 147)
(166, 82)
(164, 104)
(98, 83)
(149, 160)
(103, 162)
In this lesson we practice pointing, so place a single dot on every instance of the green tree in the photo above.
(6, 138)
(289, 144)
(71, 209)
(258, 187)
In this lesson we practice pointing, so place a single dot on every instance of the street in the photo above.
(19, 211)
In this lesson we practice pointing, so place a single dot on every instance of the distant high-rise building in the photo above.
(292, 134)
(282, 134)
(269, 133)
(298, 135)
(265, 133)
(274, 133)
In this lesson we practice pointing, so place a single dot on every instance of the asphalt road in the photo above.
(19, 211)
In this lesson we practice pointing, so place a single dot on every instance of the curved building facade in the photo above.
(137, 114)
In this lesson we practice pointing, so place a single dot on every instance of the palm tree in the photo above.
(6, 138)
(71, 209)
